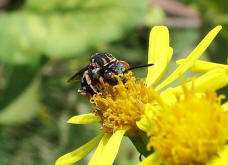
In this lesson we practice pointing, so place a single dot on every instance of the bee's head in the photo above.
(101, 59)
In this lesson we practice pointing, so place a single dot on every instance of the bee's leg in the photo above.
(82, 92)
(101, 80)
(89, 81)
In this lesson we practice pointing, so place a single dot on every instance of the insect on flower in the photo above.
(99, 71)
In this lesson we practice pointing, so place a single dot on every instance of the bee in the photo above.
(99, 71)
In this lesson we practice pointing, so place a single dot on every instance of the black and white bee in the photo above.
(99, 71)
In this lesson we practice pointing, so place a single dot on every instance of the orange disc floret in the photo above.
(121, 105)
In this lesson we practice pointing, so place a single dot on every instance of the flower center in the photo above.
(121, 105)
(191, 131)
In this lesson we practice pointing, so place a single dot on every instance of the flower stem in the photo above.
(140, 141)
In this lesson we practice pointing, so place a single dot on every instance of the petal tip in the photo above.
(159, 28)
(217, 28)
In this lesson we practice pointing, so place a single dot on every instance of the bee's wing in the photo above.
(77, 76)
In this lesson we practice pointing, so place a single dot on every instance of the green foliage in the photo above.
(154, 16)
(62, 29)
(23, 107)
(21, 37)
(20, 97)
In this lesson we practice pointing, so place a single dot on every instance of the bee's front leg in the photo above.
(89, 81)
(101, 80)
(83, 92)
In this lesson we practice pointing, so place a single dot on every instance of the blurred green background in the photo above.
(43, 43)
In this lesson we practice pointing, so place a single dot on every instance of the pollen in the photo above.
(121, 105)
(191, 131)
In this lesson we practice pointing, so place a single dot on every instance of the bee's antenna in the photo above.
(140, 66)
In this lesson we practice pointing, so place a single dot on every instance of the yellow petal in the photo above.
(79, 153)
(159, 54)
(221, 159)
(195, 54)
(145, 123)
(111, 148)
(97, 155)
(169, 96)
(170, 54)
(225, 107)
(213, 80)
(152, 159)
(203, 66)
(84, 119)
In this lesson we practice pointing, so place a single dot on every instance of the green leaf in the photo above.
(18, 78)
(58, 29)
(24, 107)
(21, 38)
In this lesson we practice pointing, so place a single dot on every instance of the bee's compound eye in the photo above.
(108, 75)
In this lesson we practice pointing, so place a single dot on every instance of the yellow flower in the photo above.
(124, 104)
(189, 125)
(191, 131)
